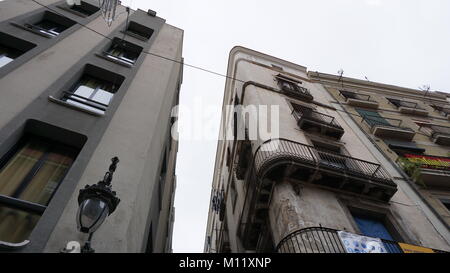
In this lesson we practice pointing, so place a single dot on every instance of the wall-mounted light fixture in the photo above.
(96, 202)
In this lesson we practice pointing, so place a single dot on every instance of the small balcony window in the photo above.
(139, 31)
(408, 107)
(123, 52)
(8, 55)
(48, 24)
(84, 9)
(293, 88)
(12, 48)
(357, 99)
(92, 94)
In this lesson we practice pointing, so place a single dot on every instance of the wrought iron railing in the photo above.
(373, 121)
(283, 149)
(308, 114)
(440, 130)
(400, 103)
(323, 240)
(294, 88)
(445, 111)
(352, 95)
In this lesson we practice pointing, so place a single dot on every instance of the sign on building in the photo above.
(354, 243)
(407, 248)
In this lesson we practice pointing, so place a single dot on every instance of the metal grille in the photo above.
(353, 95)
(324, 240)
(289, 150)
(302, 112)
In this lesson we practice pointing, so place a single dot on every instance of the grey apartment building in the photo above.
(321, 185)
(74, 94)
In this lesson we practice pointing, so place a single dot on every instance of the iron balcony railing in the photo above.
(352, 95)
(399, 103)
(286, 150)
(323, 240)
(306, 113)
(373, 121)
(293, 88)
(445, 111)
(440, 130)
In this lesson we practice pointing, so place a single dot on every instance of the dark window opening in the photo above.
(446, 203)
(94, 90)
(373, 226)
(85, 9)
(139, 31)
(50, 25)
(330, 155)
(123, 51)
(30, 174)
(11, 48)
(399, 103)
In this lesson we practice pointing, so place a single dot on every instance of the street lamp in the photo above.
(96, 202)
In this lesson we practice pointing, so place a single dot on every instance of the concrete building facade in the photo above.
(319, 179)
(74, 94)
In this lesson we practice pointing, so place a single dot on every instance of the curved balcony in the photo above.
(324, 168)
(324, 240)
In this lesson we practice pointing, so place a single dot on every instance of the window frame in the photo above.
(15, 203)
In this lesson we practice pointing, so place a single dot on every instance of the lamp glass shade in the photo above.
(91, 214)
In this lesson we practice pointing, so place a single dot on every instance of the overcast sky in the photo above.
(405, 43)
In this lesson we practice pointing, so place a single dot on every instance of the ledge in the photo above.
(122, 63)
(33, 30)
(58, 101)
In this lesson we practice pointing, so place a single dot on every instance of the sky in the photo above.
(404, 43)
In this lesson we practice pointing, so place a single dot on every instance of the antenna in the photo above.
(108, 8)
(340, 73)
(426, 88)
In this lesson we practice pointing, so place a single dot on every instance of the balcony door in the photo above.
(330, 155)
(372, 117)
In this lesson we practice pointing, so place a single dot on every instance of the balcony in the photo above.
(388, 128)
(427, 170)
(285, 159)
(327, 240)
(406, 107)
(443, 110)
(310, 120)
(293, 89)
(440, 134)
(324, 168)
(359, 100)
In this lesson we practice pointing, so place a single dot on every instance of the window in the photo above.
(399, 103)
(29, 176)
(289, 85)
(139, 31)
(123, 52)
(446, 203)
(12, 48)
(8, 55)
(353, 95)
(84, 9)
(94, 90)
(48, 25)
(403, 147)
(330, 155)
(372, 227)
(373, 118)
